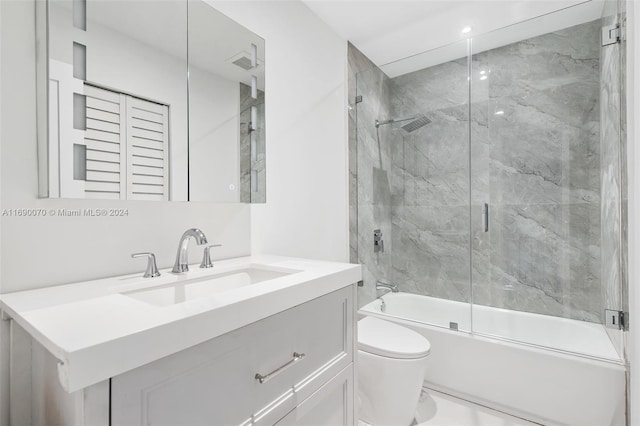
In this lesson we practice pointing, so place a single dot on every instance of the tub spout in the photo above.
(386, 288)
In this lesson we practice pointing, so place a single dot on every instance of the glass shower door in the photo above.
(537, 189)
(430, 215)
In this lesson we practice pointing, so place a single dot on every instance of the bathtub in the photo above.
(545, 369)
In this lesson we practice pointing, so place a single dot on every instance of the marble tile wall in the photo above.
(248, 164)
(370, 168)
(430, 183)
(536, 163)
(542, 166)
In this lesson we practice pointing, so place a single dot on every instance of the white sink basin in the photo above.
(194, 288)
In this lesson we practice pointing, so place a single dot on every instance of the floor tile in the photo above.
(439, 409)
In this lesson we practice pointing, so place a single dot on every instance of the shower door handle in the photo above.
(485, 217)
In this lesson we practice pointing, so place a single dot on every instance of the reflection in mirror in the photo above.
(252, 144)
(118, 100)
(122, 123)
(226, 109)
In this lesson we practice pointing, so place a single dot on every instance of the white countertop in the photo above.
(97, 333)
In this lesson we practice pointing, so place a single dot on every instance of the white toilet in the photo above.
(391, 365)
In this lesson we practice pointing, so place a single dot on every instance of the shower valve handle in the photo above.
(378, 243)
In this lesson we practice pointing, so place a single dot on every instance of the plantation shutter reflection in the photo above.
(127, 147)
(147, 145)
(104, 138)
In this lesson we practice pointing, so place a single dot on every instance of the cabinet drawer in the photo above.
(330, 405)
(215, 382)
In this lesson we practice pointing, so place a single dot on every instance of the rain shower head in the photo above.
(415, 122)
(418, 122)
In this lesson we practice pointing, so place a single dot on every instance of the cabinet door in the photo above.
(215, 383)
(332, 404)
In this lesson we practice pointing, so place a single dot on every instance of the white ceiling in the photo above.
(163, 26)
(391, 30)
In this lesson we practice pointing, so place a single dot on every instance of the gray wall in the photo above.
(537, 165)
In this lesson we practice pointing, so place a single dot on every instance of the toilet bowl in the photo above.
(391, 365)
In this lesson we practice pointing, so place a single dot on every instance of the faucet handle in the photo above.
(152, 269)
(206, 257)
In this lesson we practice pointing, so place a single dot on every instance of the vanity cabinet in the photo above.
(330, 405)
(277, 350)
(304, 357)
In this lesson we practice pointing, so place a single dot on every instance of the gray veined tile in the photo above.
(543, 154)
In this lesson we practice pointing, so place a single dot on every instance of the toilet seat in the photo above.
(384, 338)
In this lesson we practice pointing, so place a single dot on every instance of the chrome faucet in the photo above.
(206, 256)
(152, 269)
(385, 288)
(182, 258)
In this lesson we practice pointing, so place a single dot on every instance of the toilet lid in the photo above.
(384, 338)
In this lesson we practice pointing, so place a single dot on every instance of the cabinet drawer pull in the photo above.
(296, 357)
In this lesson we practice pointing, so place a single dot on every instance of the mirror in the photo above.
(140, 105)
(226, 109)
